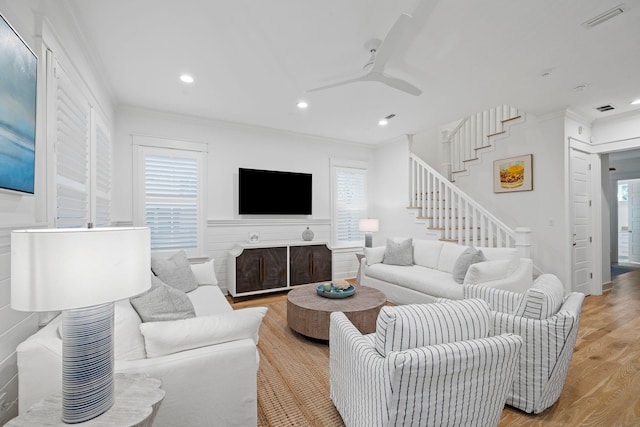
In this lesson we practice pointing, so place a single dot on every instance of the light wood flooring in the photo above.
(603, 382)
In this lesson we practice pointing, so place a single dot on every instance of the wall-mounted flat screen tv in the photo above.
(18, 66)
(267, 192)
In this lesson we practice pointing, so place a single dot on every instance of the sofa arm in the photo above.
(356, 371)
(213, 385)
(518, 281)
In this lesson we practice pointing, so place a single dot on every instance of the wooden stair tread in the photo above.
(453, 228)
(460, 171)
(483, 147)
(471, 160)
(497, 133)
(510, 119)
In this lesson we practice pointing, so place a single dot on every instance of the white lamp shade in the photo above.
(63, 269)
(368, 225)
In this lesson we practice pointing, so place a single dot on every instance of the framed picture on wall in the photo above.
(513, 174)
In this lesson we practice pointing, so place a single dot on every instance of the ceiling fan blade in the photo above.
(342, 83)
(390, 42)
(395, 83)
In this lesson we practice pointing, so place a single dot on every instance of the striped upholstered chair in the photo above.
(547, 320)
(426, 365)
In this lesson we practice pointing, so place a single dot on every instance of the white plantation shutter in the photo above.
(170, 194)
(350, 204)
(102, 179)
(72, 118)
(171, 202)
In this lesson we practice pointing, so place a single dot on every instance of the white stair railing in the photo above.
(458, 216)
(474, 133)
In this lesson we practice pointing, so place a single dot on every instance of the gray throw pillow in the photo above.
(175, 271)
(469, 256)
(398, 253)
(162, 302)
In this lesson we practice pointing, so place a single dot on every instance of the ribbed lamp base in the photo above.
(87, 363)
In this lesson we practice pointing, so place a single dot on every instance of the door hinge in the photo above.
(589, 166)
(590, 239)
(590, 275)
(589, 203)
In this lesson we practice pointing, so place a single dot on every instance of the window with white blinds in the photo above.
(349, 204)
(169, 198)
(102, 177)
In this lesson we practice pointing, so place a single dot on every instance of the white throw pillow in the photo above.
(205, 273)
(374, 255)
(427, 253)
(486, 271)
(511, 254)
(403, 327)
(162, 338)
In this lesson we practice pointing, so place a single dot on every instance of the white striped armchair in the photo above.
(548, 322)
(426, 365)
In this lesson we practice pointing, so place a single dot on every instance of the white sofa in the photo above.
(207, 364)
(430, 274)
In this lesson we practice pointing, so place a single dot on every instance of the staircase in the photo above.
(447, 212)
(475, 134)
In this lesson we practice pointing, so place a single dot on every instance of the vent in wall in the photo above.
(604, 108)
(604, 16)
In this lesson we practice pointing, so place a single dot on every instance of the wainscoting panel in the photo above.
(15, 327)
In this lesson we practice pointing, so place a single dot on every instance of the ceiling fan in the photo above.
(381, 52)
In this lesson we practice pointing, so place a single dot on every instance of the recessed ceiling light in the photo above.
(186, 78)
(635, 101)
(302, 105)
(383, 122)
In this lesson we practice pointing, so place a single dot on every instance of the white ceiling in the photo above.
(252, 60)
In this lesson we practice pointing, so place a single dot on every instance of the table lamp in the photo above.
(81, 272)
(368, 226)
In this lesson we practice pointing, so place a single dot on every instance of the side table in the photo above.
(137, 400)
(359, 255)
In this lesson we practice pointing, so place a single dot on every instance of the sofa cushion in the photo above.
(421, 279)
(427, 252)
(470, 256)
(543, 299)
(449, 255)
(511, 254)
(487, 271)
(398, 253)
(128, 344)
(404, 327)
(162, 338)
(204, 273)
(374, 255)
(162, 302)
(174, 271)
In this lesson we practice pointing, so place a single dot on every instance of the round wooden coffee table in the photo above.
(309, 314)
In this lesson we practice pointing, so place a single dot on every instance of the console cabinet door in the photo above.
(309, 264)
(259, 269)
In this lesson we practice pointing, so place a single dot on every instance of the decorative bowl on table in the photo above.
(332, 292)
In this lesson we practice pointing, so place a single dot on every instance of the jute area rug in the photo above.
(293, 379)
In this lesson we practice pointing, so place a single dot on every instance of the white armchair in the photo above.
(548, 322)
(426, 365)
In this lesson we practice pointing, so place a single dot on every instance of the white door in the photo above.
(580, 222)
(634, 221)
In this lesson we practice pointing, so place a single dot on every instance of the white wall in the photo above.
(230, 147)
(541, 209)
(17, 211)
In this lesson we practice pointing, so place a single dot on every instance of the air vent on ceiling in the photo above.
(390, 116)
(604, 108)
(604, 16)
